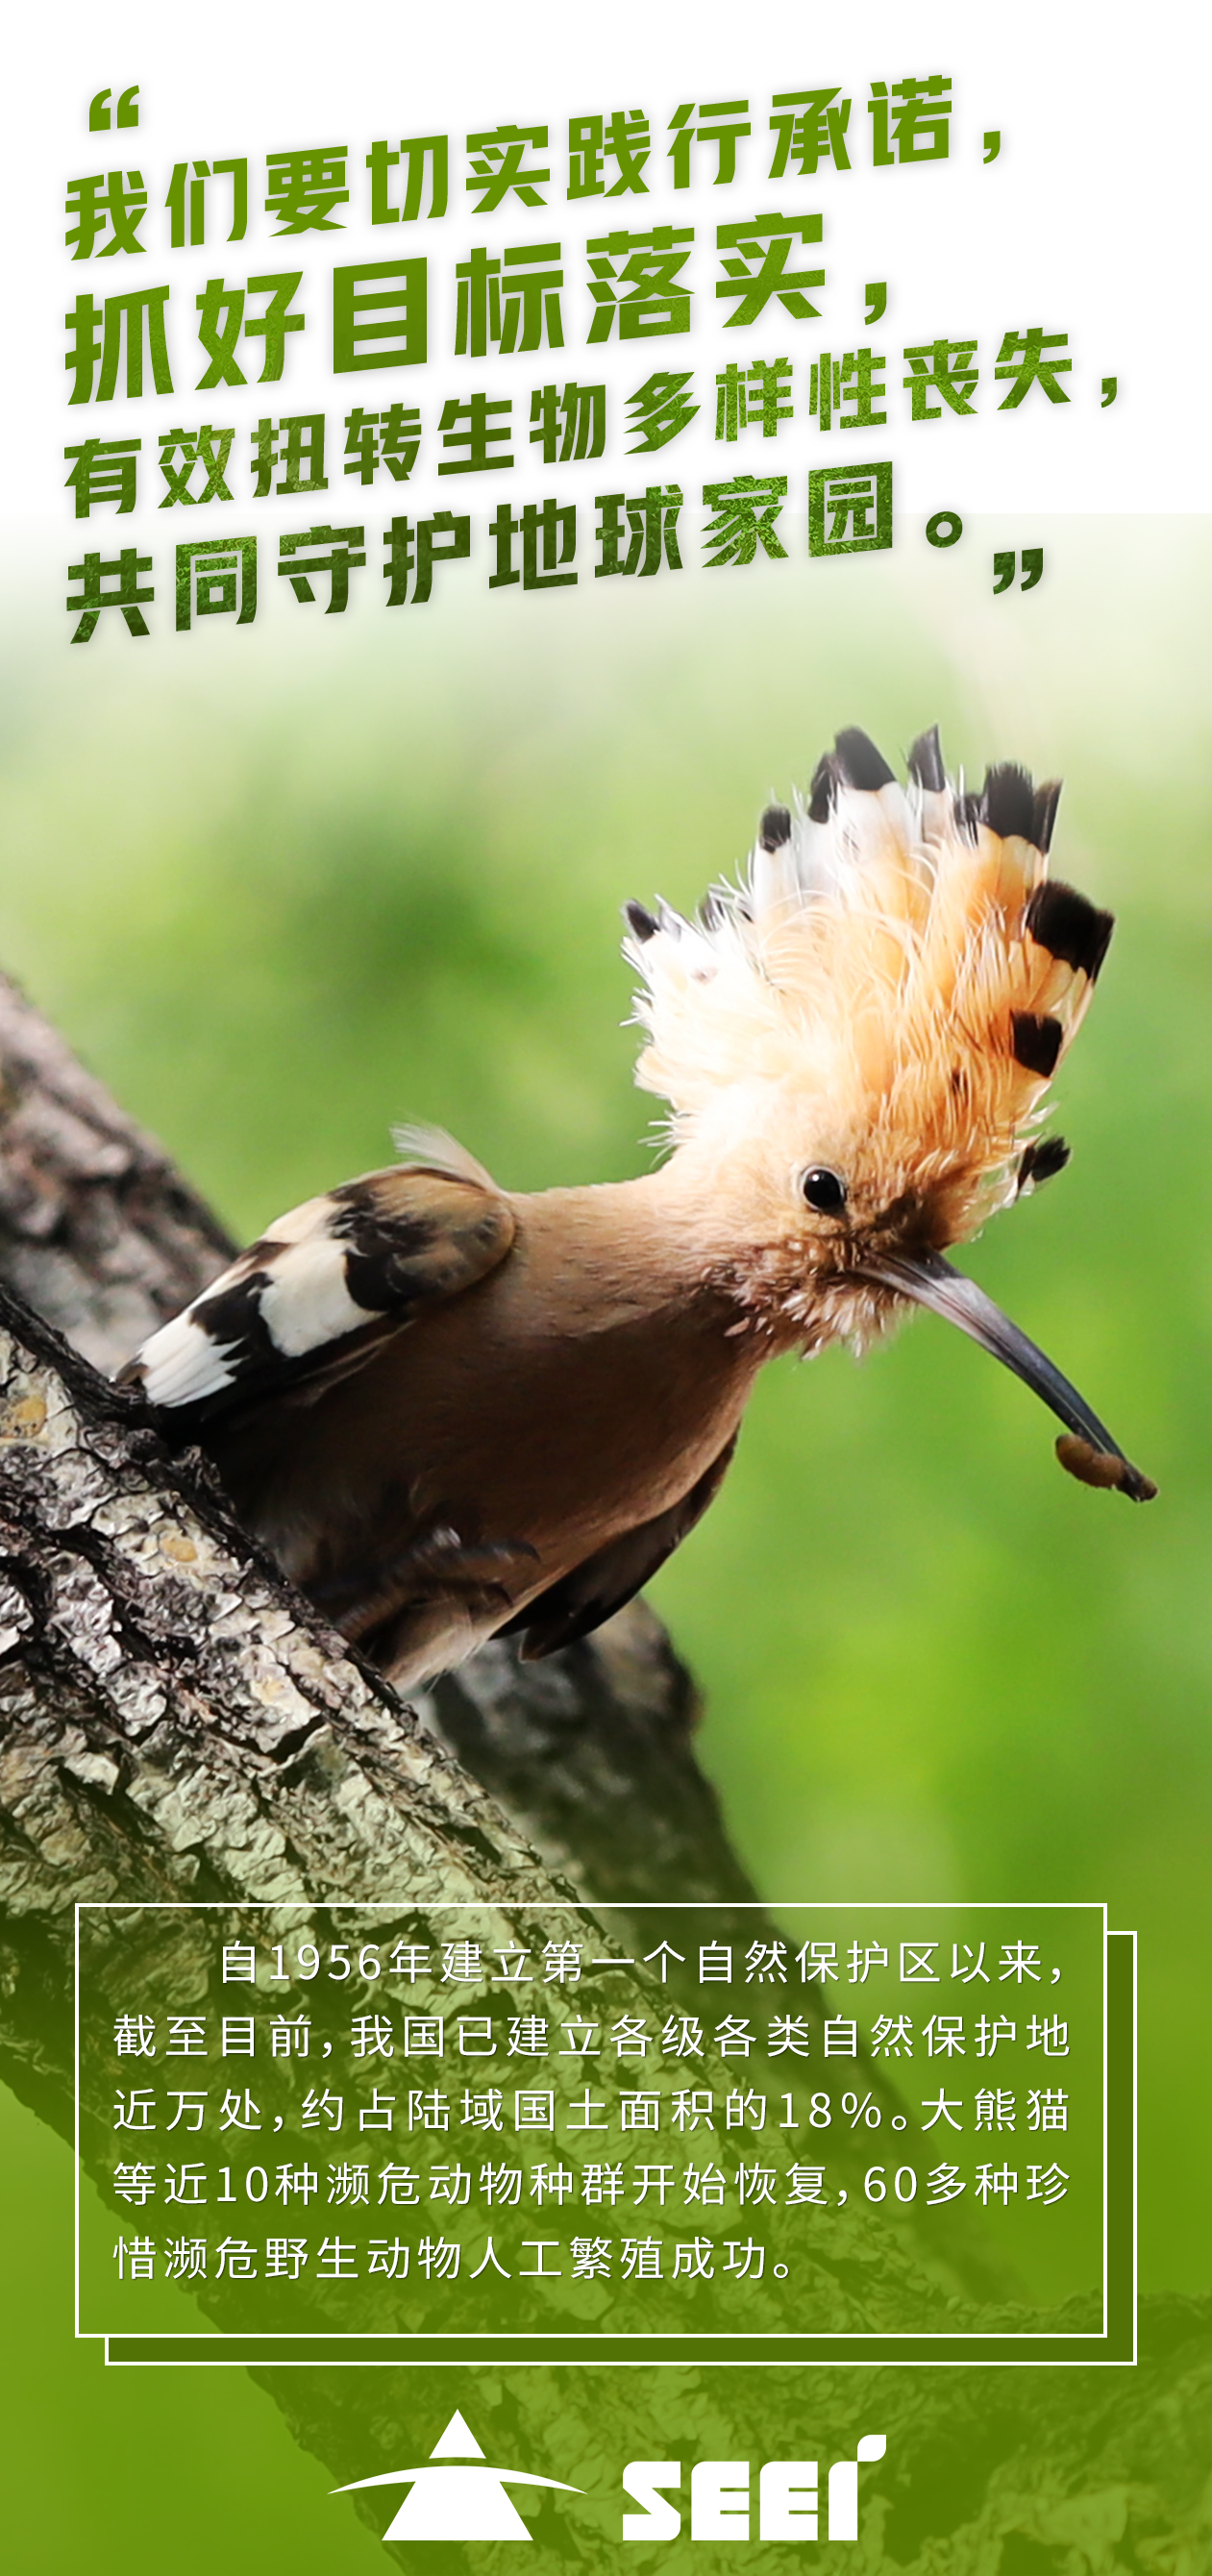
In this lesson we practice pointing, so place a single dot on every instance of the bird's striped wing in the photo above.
(324, 1289)
(582, 1600)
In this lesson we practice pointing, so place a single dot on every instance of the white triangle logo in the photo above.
(459, 2499)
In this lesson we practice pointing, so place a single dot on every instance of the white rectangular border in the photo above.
(776, 1907)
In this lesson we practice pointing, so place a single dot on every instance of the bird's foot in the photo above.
(441, 1567)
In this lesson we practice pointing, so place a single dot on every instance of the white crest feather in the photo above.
(878, 950)
(433, 1150)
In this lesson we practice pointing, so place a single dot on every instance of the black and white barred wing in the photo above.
(323, 1290)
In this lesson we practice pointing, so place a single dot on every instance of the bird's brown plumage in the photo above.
(451, 1410)
(571, 1396)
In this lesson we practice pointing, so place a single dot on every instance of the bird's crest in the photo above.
(898, 949)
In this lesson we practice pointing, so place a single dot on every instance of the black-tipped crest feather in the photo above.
(861, 764)
(1069, 927)
(823, 794)
(1041, 1162)
(774, 828)
(1047, 798)
(968, 815)
(1036, 1042)
(1008, 802)
(925, 762)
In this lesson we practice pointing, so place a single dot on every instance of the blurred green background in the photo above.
(286, 885)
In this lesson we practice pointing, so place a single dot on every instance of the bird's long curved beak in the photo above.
(1090, 1453)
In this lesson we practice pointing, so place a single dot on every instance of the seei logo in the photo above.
(722, 2499)
(455, 2495)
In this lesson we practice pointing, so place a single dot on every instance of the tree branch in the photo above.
(99, 1233)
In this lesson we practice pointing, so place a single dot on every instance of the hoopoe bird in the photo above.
(453, 1411)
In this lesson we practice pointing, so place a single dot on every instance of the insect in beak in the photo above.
(1089, 1452)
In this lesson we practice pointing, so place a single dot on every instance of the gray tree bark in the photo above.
(176, 1722)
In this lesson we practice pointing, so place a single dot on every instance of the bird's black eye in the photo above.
(824, 1190)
